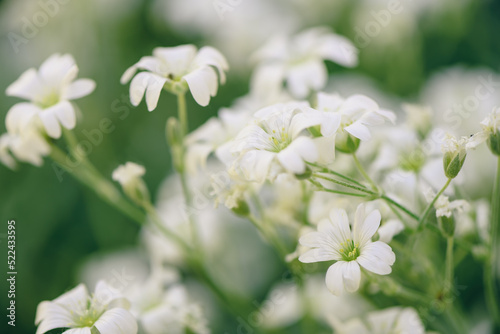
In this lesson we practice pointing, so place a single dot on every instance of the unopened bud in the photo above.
(346, 143)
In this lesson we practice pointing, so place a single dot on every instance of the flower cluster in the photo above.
(297, 160)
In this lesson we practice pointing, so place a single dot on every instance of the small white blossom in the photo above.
(443, 206)
(334, 241)
(105, 311)
(353, 114)
(214, 136)
(49, 91)
(128, 173)
(176, 68)
(276, 142)
(299, 60)
(491, 124)
(24, 138)
(459, 146)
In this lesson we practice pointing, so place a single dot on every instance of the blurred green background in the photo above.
(60, 223)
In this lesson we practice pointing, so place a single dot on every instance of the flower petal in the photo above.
(343, 274)
(138, 86)
(318, 255)
(64, 112)
(340, 221)
(377, 257)
(117, 320)
(211, 56)
(358, 130)
(20, 117)
(177, 59)
(292, 161)
(153, 91)
(84, 330)
(365, 228)
(28, 86)
(51, 124)
(202, 84)
(338, 49)
(78, 89)
(306, 77)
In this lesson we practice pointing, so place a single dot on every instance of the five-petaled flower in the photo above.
(176, 69)
(299, 60)
(334, 241)
(277, 141)
(78, 312)
(49, 91)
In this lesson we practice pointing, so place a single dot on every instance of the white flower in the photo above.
(214, 136)
(49, 91)
(276, 141)
(128, 173)
(388, 321)
(443, 206)
(24, 138)
(335, 241)
(104, 311)
(299, 60)
(174, 68)
(353, 115)
(491, 124)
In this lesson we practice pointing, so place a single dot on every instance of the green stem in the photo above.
(490, 268)
(448, 283)
(329, 171)
(427, 211)
(182, 113)
(399, 206)
(156, 220)
(321, 188)
(270, 236)
(366, 191)
(102, 187)
(344, 184)
(363, 172)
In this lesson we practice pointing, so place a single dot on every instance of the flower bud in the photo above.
(130, 178)
(304, 176)
(454, 155)
(241, 209)
(346, 143)
(447, 225)
(453, 162)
